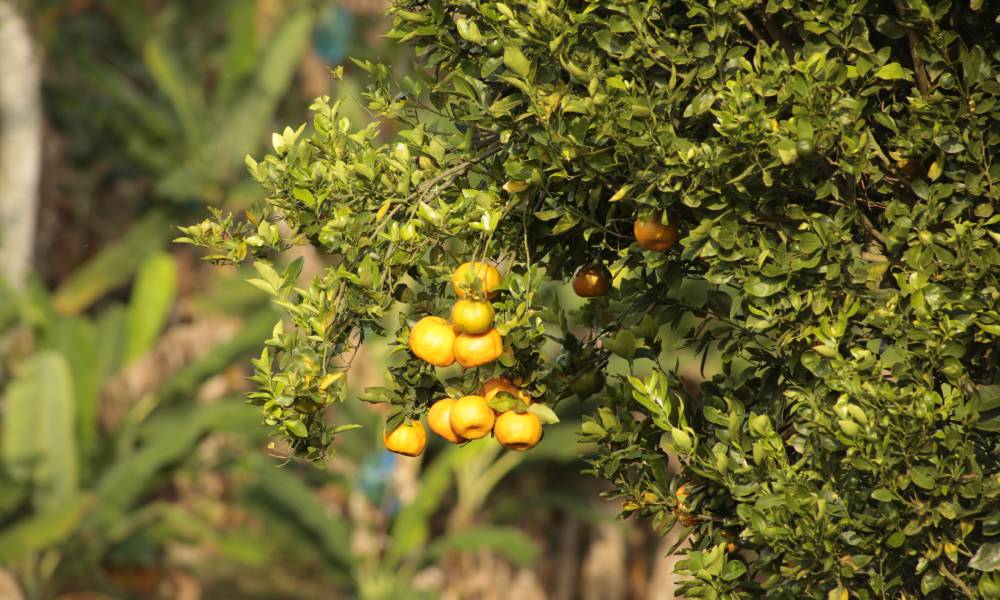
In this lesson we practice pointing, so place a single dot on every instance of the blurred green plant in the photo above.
(70, 488)
(183, 90)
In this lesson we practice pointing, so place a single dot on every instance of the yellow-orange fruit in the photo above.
(470, 417)
(518, 431)
(476, 350)
(652, 234)
(433, 340)
(408, 439)
(439, 420)
(591, 281)
(475, 277)
(501, 384)
(472, 316)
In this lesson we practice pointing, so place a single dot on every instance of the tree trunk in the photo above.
(20, 143)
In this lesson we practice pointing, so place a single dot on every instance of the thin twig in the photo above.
(923, 83)
(750, 26)
(870, 228)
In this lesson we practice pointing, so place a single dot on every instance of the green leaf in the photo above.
(297, 427)
(111, 336)
(236, 128)
(77, 340)
(175, 82)
(566, 222)
(545, 414)
(39, 435)
(682, 440)
(763, 287)
(502, 402)
(987, 398)
(152, 301)
(882, 495)
(515, 60)
(987, 558)
(787, 151)
(892, 71)
(624, 344)
(256, 329)
(923, 477)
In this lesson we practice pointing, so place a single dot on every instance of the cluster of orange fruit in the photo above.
(471, 340)
(593, 280)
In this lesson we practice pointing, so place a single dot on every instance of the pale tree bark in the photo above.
(20, 143)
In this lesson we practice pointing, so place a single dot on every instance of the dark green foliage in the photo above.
(832, 166)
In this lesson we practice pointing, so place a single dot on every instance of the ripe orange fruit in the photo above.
(470, 417)
(439, 420)
(475, 277)
(591, 281)
(498, 384)
(518, 431)
(472, 316)
(475, 350)
(652, 234)
(433, 340)
(501, 384)
(408, 439)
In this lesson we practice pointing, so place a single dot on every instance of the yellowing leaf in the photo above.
(620, 193)
(515, 186)
(935, 170)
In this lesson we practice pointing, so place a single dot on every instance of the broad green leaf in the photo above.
(258, 327)
(623, 344)
(111, 335)
(515, 60)
(174, 81)
(77, 340)
(411, 529)
(39, 429)
(987, 558)
(892, 71)
(987, 398)
(545, 414)
(237, 128)
(152, 300)
(762, 287)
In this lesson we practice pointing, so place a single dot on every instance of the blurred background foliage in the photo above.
(130, 464)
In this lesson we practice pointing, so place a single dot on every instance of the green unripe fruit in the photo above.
(805, 148)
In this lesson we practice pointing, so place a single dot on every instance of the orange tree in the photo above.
(829, 171)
